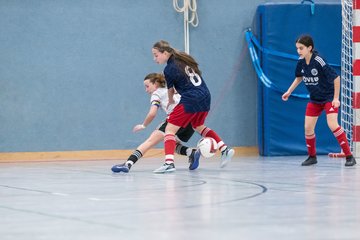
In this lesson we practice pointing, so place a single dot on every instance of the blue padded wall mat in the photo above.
(278, 25)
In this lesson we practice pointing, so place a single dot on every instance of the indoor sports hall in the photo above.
(72, 90)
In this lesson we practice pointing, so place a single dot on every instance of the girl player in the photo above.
(323, 84)
(155, 85)
(182, 73)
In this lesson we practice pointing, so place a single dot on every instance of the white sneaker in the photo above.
(165, 168)
(226, 156)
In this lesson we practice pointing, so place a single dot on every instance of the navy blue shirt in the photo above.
(318, 77)
(195, 95)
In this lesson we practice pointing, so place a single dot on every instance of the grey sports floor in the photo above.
(252, 198)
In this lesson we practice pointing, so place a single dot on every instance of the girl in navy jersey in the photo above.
(155, 85)
(323, 84)
(182, 73)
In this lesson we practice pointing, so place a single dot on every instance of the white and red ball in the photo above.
(207, 147)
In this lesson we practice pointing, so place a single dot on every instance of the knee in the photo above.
(200, 128)
(309, 130)
(332, 122)
(333, 126)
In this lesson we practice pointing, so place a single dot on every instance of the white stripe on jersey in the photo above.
(320, 60)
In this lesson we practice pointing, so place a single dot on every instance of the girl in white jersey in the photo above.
(155, 85)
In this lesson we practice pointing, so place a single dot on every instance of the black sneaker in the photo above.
(309, 161)
(350, 161)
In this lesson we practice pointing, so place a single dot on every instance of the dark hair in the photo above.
(181, 58)
(156, 78)
(306, 40)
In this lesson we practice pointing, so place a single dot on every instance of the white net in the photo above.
(346, 70)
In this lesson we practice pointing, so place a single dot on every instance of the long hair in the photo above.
(181, 58)
(156, 78)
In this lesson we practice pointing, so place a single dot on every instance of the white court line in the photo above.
(59, 194)
(113, 199)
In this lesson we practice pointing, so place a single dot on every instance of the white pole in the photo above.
(186, 27)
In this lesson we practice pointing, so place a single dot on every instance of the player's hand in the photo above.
(139, 127)
(335, 103)
(286, 96)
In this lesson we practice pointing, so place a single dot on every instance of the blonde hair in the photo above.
(181, 58)
(156, 78)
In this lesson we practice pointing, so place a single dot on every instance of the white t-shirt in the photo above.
(160, 98)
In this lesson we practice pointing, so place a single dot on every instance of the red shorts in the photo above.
(180, 118)
(315, 109)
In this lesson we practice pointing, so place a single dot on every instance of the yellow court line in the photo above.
(96, 155)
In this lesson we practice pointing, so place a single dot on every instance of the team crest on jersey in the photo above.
(314, 71)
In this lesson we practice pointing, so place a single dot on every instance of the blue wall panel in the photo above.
(71, 72)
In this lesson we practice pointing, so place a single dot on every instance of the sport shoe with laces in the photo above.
(226, 156)
(309, 161)
(350, 161)
(121, 168)
(165, 168)
(194, 159)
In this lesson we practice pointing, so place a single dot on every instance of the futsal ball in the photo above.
(207, 147)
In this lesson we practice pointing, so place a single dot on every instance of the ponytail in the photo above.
(181, 58)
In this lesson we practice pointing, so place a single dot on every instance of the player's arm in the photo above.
(336, 101)
(171, 92)
(331, 75)
(148, 119)
(292, 87)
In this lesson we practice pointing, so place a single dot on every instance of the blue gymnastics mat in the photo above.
(278, 25)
